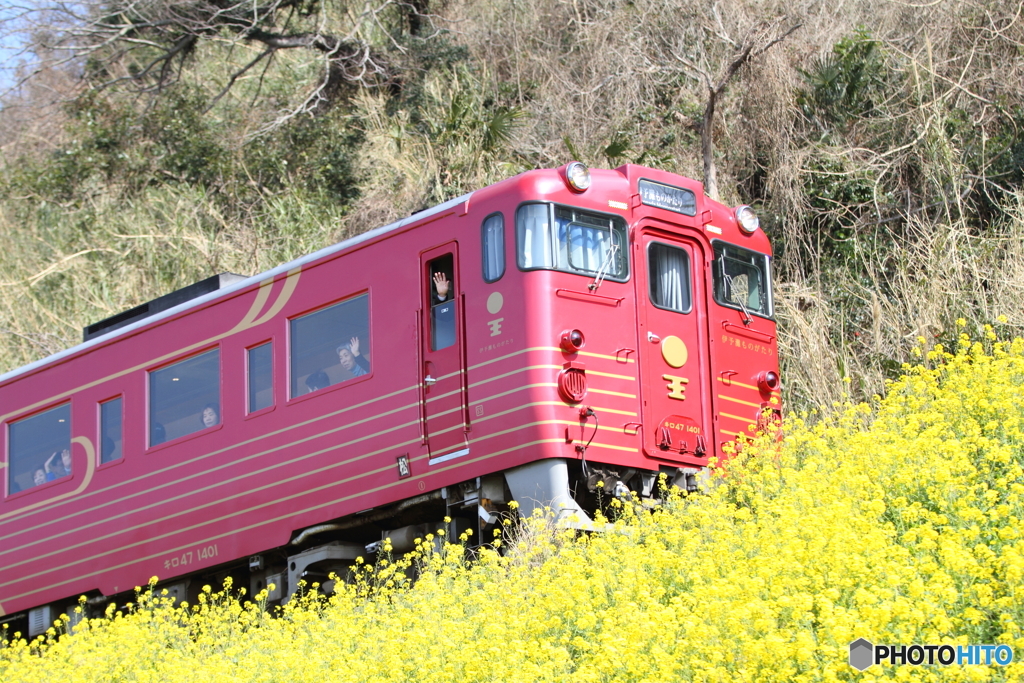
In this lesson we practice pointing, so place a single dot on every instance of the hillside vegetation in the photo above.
(880, 141)
(898, 521)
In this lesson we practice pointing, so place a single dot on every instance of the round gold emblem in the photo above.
(673, 350)
(494, 302)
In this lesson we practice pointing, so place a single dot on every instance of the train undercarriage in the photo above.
(571, 491)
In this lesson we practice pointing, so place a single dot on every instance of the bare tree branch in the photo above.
(238, 74)
(145, 44)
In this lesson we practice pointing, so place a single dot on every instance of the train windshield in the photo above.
(742, 279)
(564, 238)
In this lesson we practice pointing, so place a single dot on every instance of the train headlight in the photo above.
(572, 341)
(748, 220)
(577, 176)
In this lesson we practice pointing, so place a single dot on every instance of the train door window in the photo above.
(742, 279)
(442, 302)
(184, 397)
(259, 362)
(668, 270)
(493, 238)
(330, 346)
(110, 431)
(39, 449)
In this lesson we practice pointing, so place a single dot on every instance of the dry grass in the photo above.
(55, 280)
(860, 329)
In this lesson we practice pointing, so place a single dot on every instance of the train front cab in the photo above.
(706, 332)
(679, 359)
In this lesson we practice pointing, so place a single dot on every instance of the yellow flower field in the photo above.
(899, 522)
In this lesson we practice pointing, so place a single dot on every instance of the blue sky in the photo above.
(10, 44)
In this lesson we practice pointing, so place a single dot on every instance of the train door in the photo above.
(445, 408)
(673, 354)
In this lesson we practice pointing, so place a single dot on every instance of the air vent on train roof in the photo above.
(193, 291)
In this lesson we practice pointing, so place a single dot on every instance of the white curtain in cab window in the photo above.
(494, 248)
(742, 279)
(534, 237)
(670, 277)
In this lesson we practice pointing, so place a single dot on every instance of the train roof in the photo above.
(233, 287)
(126, 322)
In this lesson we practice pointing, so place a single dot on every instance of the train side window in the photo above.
(330, 346)
(259, 360)
(668, 270)
(493, 239)
(110, 431)
(184, 397)
(442, 302)
(39, 448)
(742, 279)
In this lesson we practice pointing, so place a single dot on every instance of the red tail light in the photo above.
(768, 381)
(572, 341)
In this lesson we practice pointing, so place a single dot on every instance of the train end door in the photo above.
(673, 347)
(444, 400)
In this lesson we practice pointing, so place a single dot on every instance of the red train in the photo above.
(526, 341)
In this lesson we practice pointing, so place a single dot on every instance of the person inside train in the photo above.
(210, 415)
(442, 310)
(58, 465)
(317, 380)
(351, 360)
(39, 477)
(442, 287)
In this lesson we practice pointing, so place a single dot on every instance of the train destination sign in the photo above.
(667, 197)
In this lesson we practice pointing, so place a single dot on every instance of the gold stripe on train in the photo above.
(247, 458)
(264, 522)
(355, 477)
(738, 400)
(292, 275)
(51, 502)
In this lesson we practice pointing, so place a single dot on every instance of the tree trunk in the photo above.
(746, 52)
(707, 147)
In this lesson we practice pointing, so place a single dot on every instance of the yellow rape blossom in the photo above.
(898, 522)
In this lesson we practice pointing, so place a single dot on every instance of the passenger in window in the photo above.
(52, 466)
(58, 465)
(211, 415)
(317, 380)
(348, 356)
(442, 287)
(39, 477)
